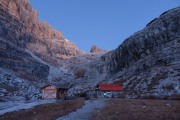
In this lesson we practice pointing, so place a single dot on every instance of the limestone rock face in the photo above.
(20, 25)
(144, 62)
(23, 41)
(159, 39)
(21, 30)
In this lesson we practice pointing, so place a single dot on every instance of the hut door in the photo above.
(50, 92)
(61, 94)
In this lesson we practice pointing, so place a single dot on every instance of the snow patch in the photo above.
(66, 40)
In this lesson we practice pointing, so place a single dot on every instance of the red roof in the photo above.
(110, 87)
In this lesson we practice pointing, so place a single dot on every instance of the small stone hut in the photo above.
(54, 91)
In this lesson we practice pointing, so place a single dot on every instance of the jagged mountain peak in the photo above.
(96, 49)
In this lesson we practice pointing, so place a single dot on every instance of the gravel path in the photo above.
(86, 111)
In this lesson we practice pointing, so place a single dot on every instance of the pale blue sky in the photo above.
(105, 23)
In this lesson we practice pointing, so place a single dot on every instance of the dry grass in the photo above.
(117, 109)
(10, 89)
(80, 73)
(49, 111)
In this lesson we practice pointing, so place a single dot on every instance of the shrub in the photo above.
(80, 73)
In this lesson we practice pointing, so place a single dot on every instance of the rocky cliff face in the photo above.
(20, 25)
(13, 41)
(20, 30)
(160, 34)
(147, 63)
(21, 37)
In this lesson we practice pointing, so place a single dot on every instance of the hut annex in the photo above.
(54, 91)
(109, 90)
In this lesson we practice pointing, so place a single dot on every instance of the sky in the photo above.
(105, 23)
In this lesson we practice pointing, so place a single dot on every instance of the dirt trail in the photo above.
(84, 113)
